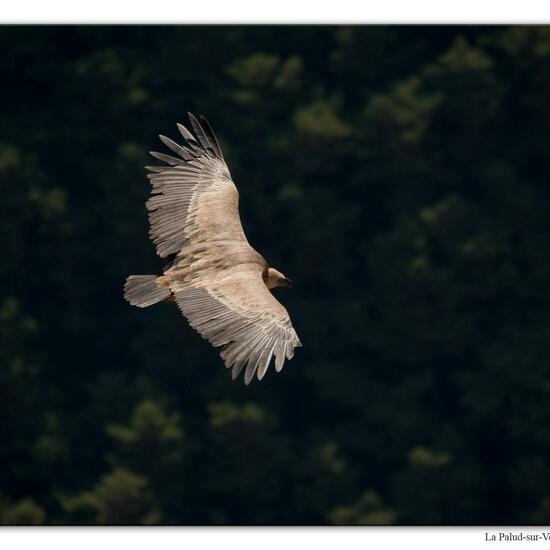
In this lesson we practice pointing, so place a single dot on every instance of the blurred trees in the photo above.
(399, 175)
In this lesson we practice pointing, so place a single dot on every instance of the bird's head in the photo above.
(276, 278)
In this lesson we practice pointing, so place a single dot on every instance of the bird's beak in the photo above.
(288, 282)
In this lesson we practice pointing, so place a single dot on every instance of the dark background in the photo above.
(399, 176)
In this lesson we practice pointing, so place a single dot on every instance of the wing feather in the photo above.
(183, 152)
(199, 132)
(173, 161)
(213, 140)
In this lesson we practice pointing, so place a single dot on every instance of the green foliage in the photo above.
(368, 510)
(10, 157)
(23, 512)
(421, 456)
(397, 174)
(251, 452)
(320, 119)
(256, 70)
(120, 498)
(225, 414)
(262, 73)
(152, 439)
(405, 112)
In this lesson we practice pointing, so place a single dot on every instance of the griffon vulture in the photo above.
(219, 282)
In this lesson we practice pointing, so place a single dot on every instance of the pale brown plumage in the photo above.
(220, 283)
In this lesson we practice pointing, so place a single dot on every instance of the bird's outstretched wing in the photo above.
(194, 198)
(239, 314)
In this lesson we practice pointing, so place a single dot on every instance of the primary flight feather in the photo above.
(219, 282)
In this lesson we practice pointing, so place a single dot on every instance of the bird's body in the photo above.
(220, 283)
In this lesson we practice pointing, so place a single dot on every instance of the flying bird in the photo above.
(219, 282)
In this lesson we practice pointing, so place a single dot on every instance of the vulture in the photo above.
(219, 282)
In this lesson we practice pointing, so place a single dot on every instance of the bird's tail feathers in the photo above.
(143, 291)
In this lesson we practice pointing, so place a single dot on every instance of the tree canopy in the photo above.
(398, 175)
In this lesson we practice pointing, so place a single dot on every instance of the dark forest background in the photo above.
(399, 176)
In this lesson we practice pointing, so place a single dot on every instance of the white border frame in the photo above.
(276, 11)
